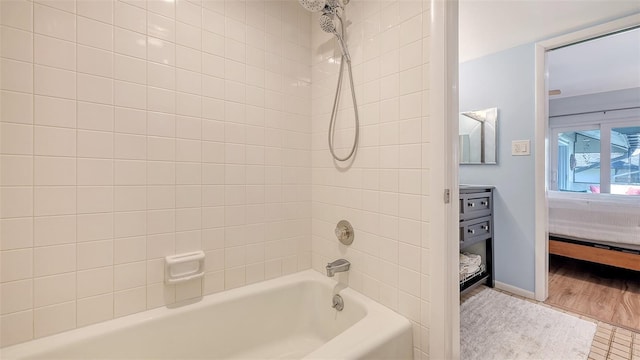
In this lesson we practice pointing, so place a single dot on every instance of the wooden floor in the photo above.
(601, 292)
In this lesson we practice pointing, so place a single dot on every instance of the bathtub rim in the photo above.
(354, 342)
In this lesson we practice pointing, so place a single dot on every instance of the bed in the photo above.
(601, 228)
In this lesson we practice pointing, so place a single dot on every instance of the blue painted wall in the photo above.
(506, 80)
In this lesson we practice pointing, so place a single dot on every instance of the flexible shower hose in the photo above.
(336, 102)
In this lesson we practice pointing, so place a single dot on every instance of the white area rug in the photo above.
(498, 326)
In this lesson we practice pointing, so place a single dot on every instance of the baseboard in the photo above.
(515, 290)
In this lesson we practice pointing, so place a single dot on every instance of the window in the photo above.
(596, 158)
(625, 160)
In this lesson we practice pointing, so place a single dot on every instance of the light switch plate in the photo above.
(521, 147)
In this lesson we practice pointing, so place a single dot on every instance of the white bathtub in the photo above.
(284, 318)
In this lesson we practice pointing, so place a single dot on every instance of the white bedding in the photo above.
(599, 217)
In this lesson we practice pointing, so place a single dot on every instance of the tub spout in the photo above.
(339, 265)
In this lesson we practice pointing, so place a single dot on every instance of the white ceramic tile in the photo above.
(161, 27)
(163, 8)
(130, 95)
(130, 198)
(49, 200)
(64, 5)
(213, 109)
(16, 107)
(235, 30)
(213, 21)
(161, 51)
(54, 22)
(130, 69)
(16, 202)
(16, 139)
(16, 170)
(16, 265)
(161, 245)
(55, 289)
(161, 76)
(54, 82)
(161, 100)
(52, 111)
(50, 170)
(95, 144)
(51, 260)
(132, 147)
(130, 121)
(188, 290)
(137, 3)
(95, 116)
(129, 301)
(54, 319)
(17, 44)
(95, 199)
(213, 65)
(188, 105)
(159, 124)
(16, 75)
(128, 224)
(130, 275)
(188, 150)
(131, 43)
(130, 172)
(52, 141)
(188, 35)
(129, 250)
(95, 282)
(95, 33)
(410, 55)
(94, 309)
(188, 81)
(54, 230)
(95, 254)
(94, 227)
(159, 148)
(213, 43)
(95, 172)
(101, 10)
(188, 58)
(234, 277)
(188, 219)
(130, 17)
(188, 12)
(53, 52)
(160, 197)
(16, 296)
(16, 327)
(159, 295)
(160, 173)
(188, 173)
(18, 14)
(16, 233)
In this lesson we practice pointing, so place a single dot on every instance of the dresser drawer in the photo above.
(475, 205)
(472, 231)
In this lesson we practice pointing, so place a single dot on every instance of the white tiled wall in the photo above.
(136, 129)
(384, 192)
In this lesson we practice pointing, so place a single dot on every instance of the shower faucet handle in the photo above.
(344, 232)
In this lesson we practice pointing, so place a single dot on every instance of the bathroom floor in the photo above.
(610, 342)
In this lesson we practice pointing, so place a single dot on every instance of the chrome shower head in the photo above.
(327, 25)
(313, 5)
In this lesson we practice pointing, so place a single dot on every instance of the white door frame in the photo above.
(541, 139)
(444, 313)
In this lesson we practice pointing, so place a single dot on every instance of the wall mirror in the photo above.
(478, 136)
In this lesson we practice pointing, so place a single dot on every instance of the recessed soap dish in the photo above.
(183, 267)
